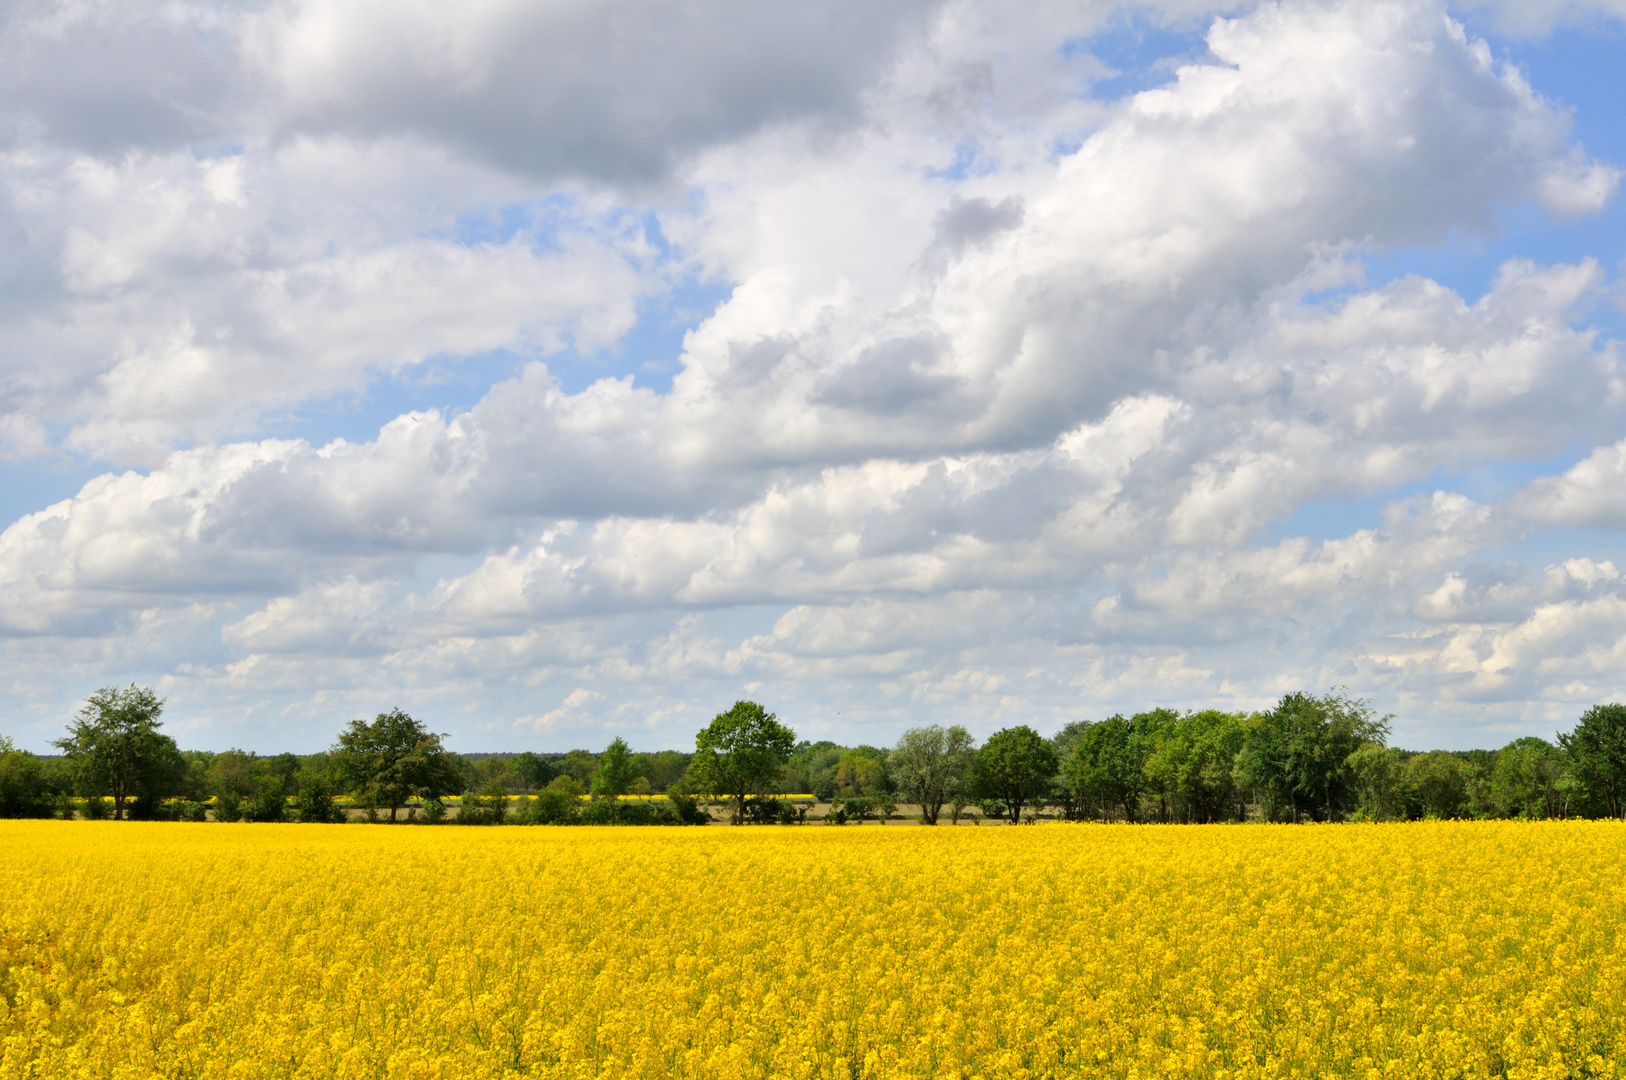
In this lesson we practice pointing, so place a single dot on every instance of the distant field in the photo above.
(1419, 950)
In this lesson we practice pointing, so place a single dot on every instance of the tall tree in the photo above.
(1597, 755)
(1526, 780)
(1297, 755)
(115, 747)
(740, 753)
(1015, 766)
(1108, 766)
(393, 759)
(930, 764)
(616, 770)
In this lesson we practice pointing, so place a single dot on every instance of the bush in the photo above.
(315, 799)
(95, 809)
(687, 809)
(488, 806)
(434, 811)
(228, 806)
(22, 786)
(555, 805)
(270, 804)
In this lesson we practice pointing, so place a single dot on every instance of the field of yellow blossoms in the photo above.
(1419, 950)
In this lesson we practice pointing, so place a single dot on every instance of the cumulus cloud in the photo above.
(1009, 405)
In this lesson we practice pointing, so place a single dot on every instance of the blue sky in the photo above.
(991, 405)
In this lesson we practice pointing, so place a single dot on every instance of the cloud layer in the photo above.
(1018, 406)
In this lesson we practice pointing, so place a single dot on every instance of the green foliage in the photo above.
(393, 759)
(740, 753)
(115, 747)
(1438, 781)
(555, 804)
(861, 771)
(1527, 780)
(1015, 767)
(813, 768)
(1107, 769)
(487, 806)
(1296, 757)
(932, 765)
(1382, 789)
(1596, 749)
(1190, 763)
(687, 810)
(314, 796)
(534, 772)
(228, 806)
(23, 787)
(616, 770)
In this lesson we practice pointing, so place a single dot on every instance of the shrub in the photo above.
(687, 810)
(95, 809)
(228, 806)
(316, 805)
(555, 805)
(488, 806)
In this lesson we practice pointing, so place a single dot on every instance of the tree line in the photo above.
(1309, 758)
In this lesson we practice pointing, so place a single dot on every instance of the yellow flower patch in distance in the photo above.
(1491, 949)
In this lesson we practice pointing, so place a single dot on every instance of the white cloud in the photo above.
(1010, 398)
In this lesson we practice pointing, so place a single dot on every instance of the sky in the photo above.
(561, 371)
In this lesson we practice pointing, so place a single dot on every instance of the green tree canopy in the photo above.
(1597, 754)
(860, 772)
(1108, 765)
(1015, 766)
(393, 759)
(1527, 780)
(1297, 755)
(616, 770)
(931, 764)
(740, 753)
(115, 748)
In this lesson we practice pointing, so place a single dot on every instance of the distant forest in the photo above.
(1310, 758)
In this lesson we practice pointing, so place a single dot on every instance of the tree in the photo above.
(741, 752)
(1526, 780)
(860, 773)
(1597, 755)
(1108, 766)
(1439, 783)
(115, 747)
(315, 799)
(1381, 788)
(616, 770)
(393, 759)
(1015, 767)
(23, 787)
(1190, 762)
(534, 771)
(931, 764)
(1297, 755)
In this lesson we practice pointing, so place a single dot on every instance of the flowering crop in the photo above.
(1420, 950)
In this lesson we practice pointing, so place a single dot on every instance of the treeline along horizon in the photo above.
(1310, 758)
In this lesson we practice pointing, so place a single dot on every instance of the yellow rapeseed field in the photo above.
(1419, 950)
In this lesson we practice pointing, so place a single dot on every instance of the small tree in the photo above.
(1015, 767)
(392, 759)
(23, 791)
(1597, 756)
(616, 770)
(930, 765)
(315, 798)
(740, 753)
(115, 747)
